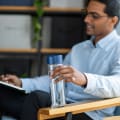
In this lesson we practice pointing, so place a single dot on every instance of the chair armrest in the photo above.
(75, 108)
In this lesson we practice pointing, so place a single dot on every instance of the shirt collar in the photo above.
(105, 42)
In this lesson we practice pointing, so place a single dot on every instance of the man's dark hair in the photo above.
(112, 7)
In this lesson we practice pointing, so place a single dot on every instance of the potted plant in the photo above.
(37, 25)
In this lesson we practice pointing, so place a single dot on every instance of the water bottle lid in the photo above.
(58, 59)
(50, 59)
(54, 59)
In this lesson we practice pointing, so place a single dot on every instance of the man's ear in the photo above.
(115, 20)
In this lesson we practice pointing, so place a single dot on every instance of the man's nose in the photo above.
(87, 19)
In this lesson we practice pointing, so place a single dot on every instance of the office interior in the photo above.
(62, 26)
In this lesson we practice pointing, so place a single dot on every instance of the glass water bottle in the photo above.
(57, 89)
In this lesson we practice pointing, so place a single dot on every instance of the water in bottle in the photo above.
(57, 89)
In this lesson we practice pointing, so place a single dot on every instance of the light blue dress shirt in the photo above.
(101, 65)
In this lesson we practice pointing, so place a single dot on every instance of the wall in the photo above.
(15, 31)
(67, 3)
(22, 38)
(118, 28)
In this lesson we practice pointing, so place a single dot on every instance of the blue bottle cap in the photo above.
(58, 59)
(50, 59)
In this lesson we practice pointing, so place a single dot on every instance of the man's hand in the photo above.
(70, 74)
(11, 79)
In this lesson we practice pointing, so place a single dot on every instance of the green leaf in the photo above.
(36, 23)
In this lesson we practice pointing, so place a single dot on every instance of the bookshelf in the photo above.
(32, 52)
(32, 9)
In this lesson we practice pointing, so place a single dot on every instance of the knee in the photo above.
(39, 94)
(40, 97)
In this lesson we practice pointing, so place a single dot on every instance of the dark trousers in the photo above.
(25, 107)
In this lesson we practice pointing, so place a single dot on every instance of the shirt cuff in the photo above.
(91, 83)
(25, 83)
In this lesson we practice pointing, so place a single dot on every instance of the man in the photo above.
(91, 70)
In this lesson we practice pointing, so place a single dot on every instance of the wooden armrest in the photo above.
(113, 118)
(46, 113)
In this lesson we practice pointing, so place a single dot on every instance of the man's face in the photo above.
(97, 22)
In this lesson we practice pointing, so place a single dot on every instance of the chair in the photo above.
(113, 118)
(75, 108)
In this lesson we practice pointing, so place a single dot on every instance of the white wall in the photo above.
(15, 31)
(67, 3)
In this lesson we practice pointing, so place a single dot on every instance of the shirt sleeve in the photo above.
(67, 59)
(103, 86)
(37, 83)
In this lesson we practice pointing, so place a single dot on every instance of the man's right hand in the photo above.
(11, 79)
